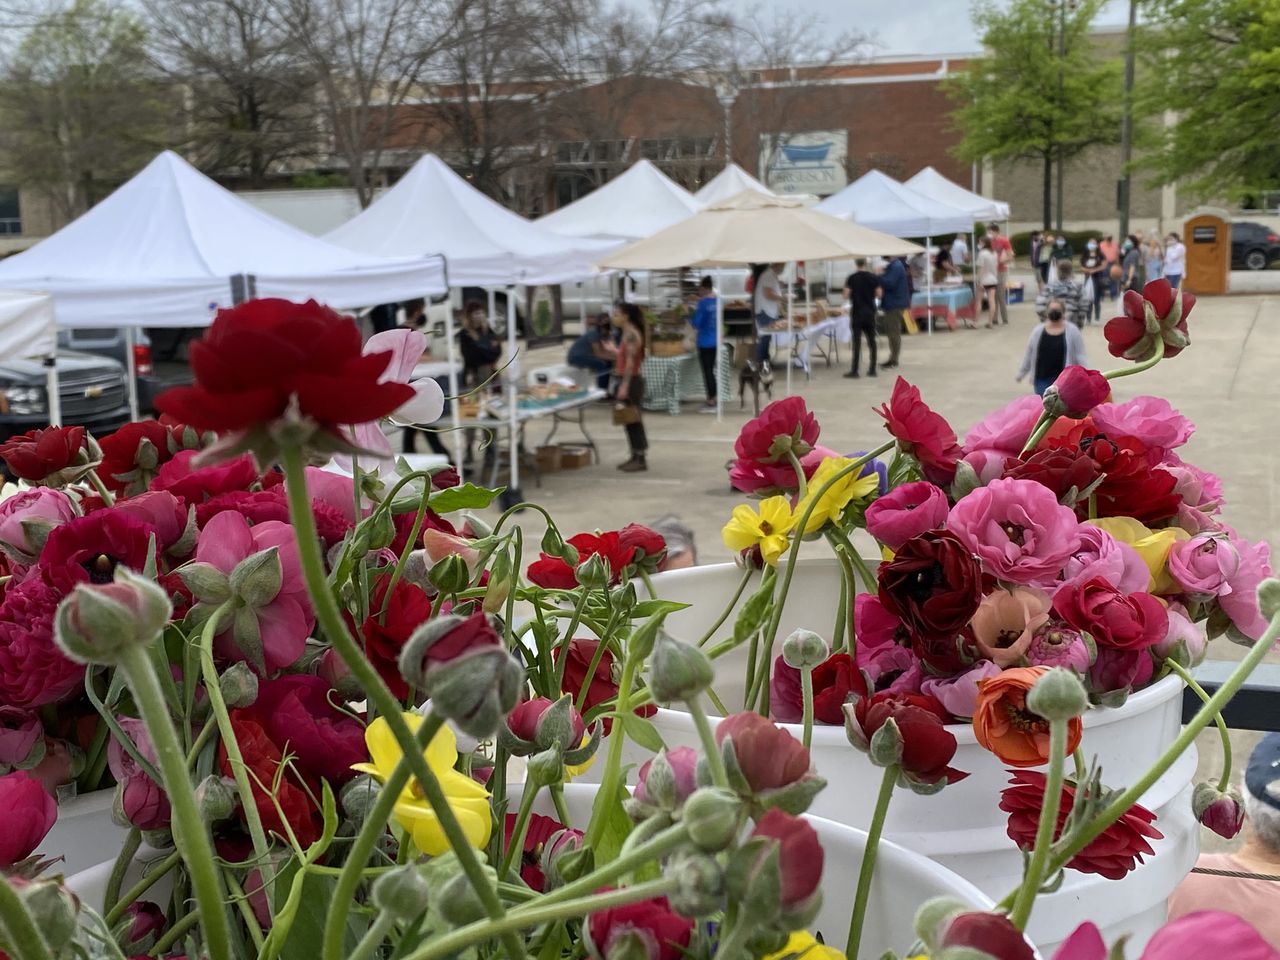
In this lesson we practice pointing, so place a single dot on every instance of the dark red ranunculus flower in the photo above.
(1114, 670)
(133, 455)
(1130, 487)
(664, 933)
(647, 546)
(540, 830)
(258, 357)
(768, 756)
(403, 522)
(273, 786)
(833, 681)
(162, 511)
(554, 573)
(33, 670)
(991, 933)
(181, 477)
(445, 477)
(927, 745)
(800, 855)
(1113, 854)
(29, 816)
(1077, 391)
(299, 712)
(1127, 335)
(601, 689)
(385, 637)
(921, 432)
(259, 506)
(1059, 468)
(88, 549)
(37, 454)
(933, 584)
(783, 426)
(1125, 621)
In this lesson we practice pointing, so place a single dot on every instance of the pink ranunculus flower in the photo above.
(160, 510)
(1204, 565)
(142, 801)
(905, 512)
(1240, 603)
(1198, 488)
(1017, 529)
(285, 621)
(987, 463)
(1008, 429)
(1005, 622)
(783, 426)
(334, 490)
(1102, 555)
(1114, 670)
(26, 519)
(1186, 641)
(29, 814)
(1203, 935)
(1150, 419)
(1057, 645)
(883, 648)
(959, 694)
(750, 476)
(19, 731)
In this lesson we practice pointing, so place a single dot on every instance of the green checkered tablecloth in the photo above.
(670, 380)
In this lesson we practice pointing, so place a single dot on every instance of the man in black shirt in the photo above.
(862, 290)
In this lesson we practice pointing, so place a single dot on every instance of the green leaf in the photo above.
(617, 825)
(467, 496)
(304, 937)
(647, 608)
(640, 730)
(753, 612)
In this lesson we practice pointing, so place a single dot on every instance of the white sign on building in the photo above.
(799, 163)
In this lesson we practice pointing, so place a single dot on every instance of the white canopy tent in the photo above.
(729, 182)
(29, 329)
(633, 205)
(754, 228)
(933, 184)
(878, 201)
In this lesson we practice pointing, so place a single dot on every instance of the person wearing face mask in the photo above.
(1093, 265)
(1044, 253)
(1175, 260)
(1153, 259)
(1061, 251)
(1052, 347)
(1066, 291)
(1131, 272)
(1111, 253)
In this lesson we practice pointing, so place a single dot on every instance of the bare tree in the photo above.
(369, 59)
(250, 95)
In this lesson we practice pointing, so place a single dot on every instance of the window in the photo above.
(10, 212)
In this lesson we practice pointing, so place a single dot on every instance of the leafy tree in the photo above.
(1216, 64)
(1040, 93)
(80, 110)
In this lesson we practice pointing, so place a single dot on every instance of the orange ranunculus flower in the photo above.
(1003, 724)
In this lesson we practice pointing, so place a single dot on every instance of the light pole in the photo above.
(1126, 122)
(1062, 55)
(726, 94)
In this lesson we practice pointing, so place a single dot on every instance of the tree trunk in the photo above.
(1048, 188)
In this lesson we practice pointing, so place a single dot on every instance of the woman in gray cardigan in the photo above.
(1052, 346)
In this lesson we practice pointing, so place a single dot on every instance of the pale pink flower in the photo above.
(26, 519)
(1204, 565)
(1203, 935)
(988, 464)
(1184, 637)
(1017, 529)
(959, 694)
(406, 348)
(1102, 555)
(1241, 603)
(1150, 419)
(437, 545)
(1005, 622)
(1008, 429)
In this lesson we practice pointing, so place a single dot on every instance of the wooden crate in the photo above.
(548, 458)
(574, 457)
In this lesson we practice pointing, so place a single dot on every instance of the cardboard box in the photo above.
(548, 459)
(573, 457)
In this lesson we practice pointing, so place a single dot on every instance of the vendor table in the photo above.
(669, 380)
(433, 370)
(568, 409)
(954, 300)
(823, 336)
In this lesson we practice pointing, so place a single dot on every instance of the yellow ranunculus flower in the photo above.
(468, 799)
(572, 770)
(767, 529)
(1153, 547)
(832, 503)
(802, 945)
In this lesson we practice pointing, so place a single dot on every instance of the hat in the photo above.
(1262, 775)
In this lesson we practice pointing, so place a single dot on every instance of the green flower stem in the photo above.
(842, 603)
(654, 849)
(95, 756)
(190, 833)
(22, 937)
(245, 909)
(516, 843)
(610, 779)
(581, 703)
(724, 614)
(802, 482)
(202, 740)
(124, 860)
(734, 944)
(563, 659)
(1118, 807)
(863, 895)
(719, 776)
(373, 937)
(175, 933)
(100, 488)
(401, 560)
(538, 913)
(1156, 356)
(793, 554)
(838, 536)
(562, 810)
(330, 620)
(1048, 825)
(1224, 781)
(1037, 433)
(148, 881)
(374, 826)
(806, 693)
(235, 759)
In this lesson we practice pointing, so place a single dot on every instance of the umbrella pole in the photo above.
(719, 344)
(512, 418)
(808, 311)
(582, 307)
(53, 390)
(791, 334)
(973, 273)
(492, 305)
(455, 416)
(131, 371)
(928, 285)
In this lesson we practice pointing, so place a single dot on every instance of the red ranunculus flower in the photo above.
(663, 933)
(922, 433)
(33, 671)
(1130, 487)
(554, 574)
(1127, 335)
(385, 637)
(403, 523)
(526, 719)
(37, 454)
(1076, 392)
(133, 454)
(298, 712)
(181, 477)
(540, 830)
(933, 584)
(273, 786)
(445, 477)
(601, 689)
(29, 816)
(88, 549)
(769, 757)
(784, 426)
(833, 681)
(993, 934)
(258, 356)
(1132, 621)
(1061, 469)
(647, 546)
(800, 855)
(162, 511)
(1118, 850)
(927, 745)
(271, 504)
(1114, 670)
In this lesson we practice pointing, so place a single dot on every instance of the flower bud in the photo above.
(53, 908)
(402, 893)
(678, 670)
(140, 927)
(593, 573)
(239, 685)
(458, 903)
(553, 545)
(216, 798)
(480, 527)
(1269, 597)
(97, 622)
(1223, 813)
(476, 691)
(1058, 695)
(885, 745)
(358, 797)
(140, 802)
(565, 858)
(669, 779)
(450, 575)
(700, 884)
(206, 582)
(804, 648)
(712, 816)
(755, 880)
(540, 724)
(546, 768)
(966, 481)
(257, 578)
(382, 529)
(799, 859)
(932, 917)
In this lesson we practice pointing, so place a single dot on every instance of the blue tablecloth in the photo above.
(951, 297)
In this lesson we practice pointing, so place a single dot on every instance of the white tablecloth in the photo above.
(807, 336)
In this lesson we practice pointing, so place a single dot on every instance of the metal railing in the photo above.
(1252, 708)
(10, 226)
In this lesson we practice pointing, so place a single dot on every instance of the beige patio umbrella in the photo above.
(754, 228)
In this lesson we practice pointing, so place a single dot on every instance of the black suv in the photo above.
(91, 388)
(1253, 246)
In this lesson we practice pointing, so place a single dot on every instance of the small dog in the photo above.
(757, 375)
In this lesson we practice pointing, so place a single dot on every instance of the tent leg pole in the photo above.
(582, 307)
(791, 334)
(53, 391)
(719, 344)
(492, 305)
(928, 284)
(513, 495)
(131, 372)
(455, 416)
